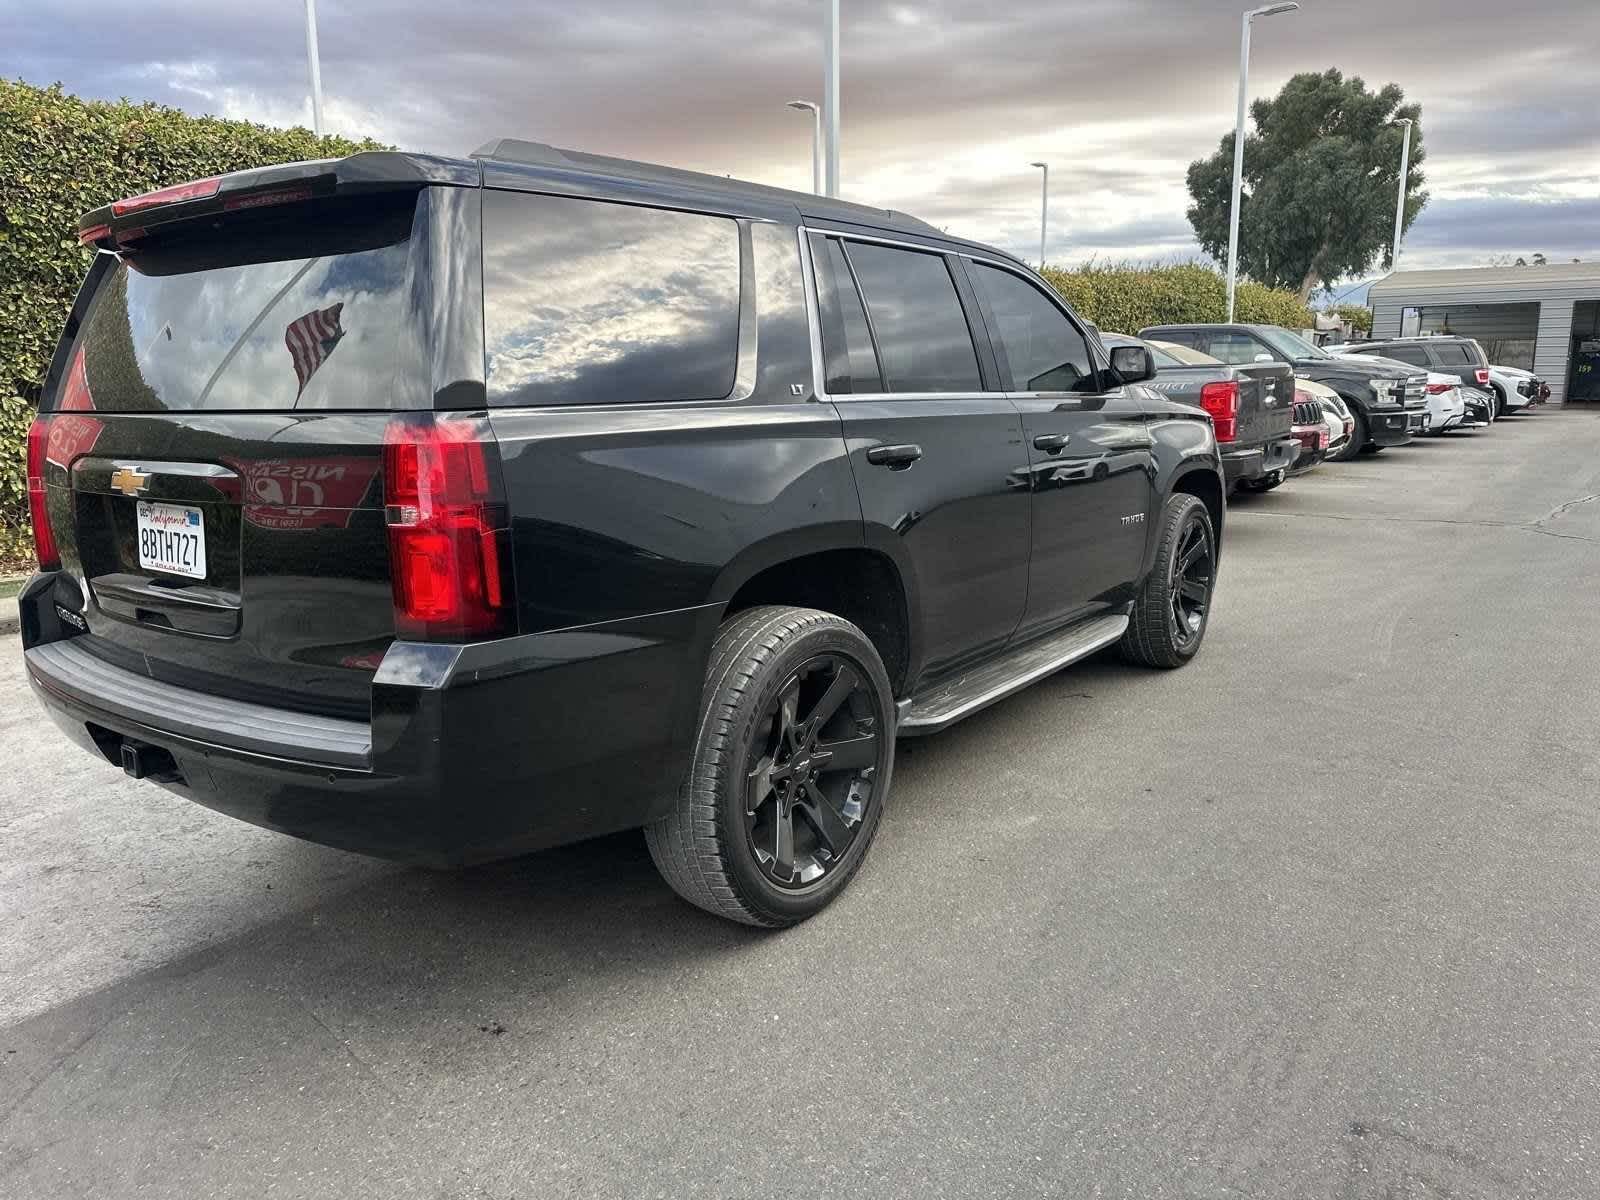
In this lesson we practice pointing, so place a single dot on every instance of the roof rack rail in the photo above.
(539, 154)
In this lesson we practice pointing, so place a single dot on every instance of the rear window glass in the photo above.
(590, 302)
(275, 313)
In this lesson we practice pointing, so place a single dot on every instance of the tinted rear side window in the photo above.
(921, 330)
(1234, 348)
(589, 302)
(1415, 355)
(304, 308)
(846, 338)
(1043, 349)
(1454, 354)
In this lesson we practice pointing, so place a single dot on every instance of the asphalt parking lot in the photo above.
(1315, 917)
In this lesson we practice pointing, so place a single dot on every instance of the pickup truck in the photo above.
(1388, 404)
(1250, 408)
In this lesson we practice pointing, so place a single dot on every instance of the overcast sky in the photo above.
(945, 102)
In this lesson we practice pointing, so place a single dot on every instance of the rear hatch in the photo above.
(215, 444)
(1266, 403)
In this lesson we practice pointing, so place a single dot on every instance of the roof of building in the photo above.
(1498, 281)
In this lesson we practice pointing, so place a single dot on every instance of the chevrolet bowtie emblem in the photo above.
(130, 481)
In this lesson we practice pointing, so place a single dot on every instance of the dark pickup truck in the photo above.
(1250, 408)
(1388, 406)
(447, 509)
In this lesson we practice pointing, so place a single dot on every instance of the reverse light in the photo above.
(443, 503)
(195, 189)
(1221, 401)
(44, 538)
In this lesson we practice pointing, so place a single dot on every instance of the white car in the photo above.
(1513, 387)
(1336, 414)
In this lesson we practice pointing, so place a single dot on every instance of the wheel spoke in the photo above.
(786, 715)
(1193, 553)
(759, 785)
(1192, 591)
(844, 682)
(847, 754)
(783, 842)
(822, 817)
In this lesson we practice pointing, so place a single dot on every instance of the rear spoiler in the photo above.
(114, 225)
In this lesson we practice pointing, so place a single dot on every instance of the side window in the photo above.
(1415, 355)
(783, 331)
(846, 338)
(1453, 354)
(588, 302)
(1044, 350)
(1234, 348)
(917, 319)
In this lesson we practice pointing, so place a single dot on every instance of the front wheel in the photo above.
(1169, 616)
(1358, 438)
(790, 771)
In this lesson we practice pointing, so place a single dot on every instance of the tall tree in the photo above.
(1321, 174)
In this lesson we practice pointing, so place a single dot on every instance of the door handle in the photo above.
(896, 458)
(1052, 443)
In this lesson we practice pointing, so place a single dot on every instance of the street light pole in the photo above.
(816, 141)
(1238, 141)
(316, 67)
(830, 95)
(1044, 207)
(1400, 204)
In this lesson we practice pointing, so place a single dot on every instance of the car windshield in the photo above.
(1290, 345)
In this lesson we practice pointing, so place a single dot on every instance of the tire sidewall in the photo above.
(753, 887)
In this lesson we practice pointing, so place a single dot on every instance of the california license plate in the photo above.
(172, 538)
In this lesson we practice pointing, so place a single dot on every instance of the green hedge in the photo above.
(1359, 316)
(59, 157)
(1126, 299)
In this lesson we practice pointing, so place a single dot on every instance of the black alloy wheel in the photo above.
(813, 755)
(1193, 574)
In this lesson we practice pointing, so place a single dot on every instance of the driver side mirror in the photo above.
(1264, 358)
(1133, 364)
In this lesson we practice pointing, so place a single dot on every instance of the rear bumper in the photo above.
(1257, 462)
(474, 752)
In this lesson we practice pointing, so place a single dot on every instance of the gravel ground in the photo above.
(1314, 917)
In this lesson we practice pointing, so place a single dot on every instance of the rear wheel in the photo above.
(1499, 402)
(790, 771)
(1169, 617)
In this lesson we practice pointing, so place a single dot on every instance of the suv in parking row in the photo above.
(446, 509)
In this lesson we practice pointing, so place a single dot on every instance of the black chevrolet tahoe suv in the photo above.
(1389, 406)
(447, 509)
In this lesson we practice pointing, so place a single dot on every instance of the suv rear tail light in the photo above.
(1482, 376)
(444, 505)
(44, 538)
(1221, 400)
(197, 189)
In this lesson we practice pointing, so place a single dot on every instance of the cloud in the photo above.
(944, 102)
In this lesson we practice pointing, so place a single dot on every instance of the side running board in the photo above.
(966, 693)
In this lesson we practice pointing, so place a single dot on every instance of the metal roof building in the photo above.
(1542, 319)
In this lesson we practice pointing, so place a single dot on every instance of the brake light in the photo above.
(44, 538)
(196, 189)
(1438, 389)
(1482, 375)
(91, 235)
(447, 528)
(1221, 400)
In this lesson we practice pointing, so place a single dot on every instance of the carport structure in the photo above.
(1542, 319)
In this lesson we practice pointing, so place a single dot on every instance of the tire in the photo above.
(1499, 402)
(1154, 637)
(1358, 438)
(771, 672)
